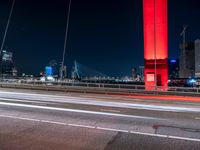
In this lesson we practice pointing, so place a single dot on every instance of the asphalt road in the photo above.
(68, 121)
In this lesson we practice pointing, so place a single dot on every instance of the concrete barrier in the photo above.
(102, 89)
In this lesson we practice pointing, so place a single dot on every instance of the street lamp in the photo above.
(65, 43)
(155, 61)
(7, 26)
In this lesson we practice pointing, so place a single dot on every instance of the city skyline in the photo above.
(99, 74)
(106, 36)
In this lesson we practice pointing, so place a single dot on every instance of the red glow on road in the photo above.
(160, 97)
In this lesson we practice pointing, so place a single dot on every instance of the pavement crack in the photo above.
(112, 141)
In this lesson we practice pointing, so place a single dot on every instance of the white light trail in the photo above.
(79, 111)
(96, 102)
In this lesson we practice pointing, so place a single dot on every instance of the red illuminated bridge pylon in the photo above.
(155, 20)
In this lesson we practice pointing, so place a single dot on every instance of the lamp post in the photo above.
(155, 61)
(7, 26)
(65, 42)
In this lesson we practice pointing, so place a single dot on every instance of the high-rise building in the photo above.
(173, 67)
(141, 72)
(7, 65)
(134, 73)
(55, 67)
(48, 71)
(63, 71)
(187, 60)
(197, 58)
(7, 56)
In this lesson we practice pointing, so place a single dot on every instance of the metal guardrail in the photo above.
(102, 87)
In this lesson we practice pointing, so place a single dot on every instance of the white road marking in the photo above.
(183, 138)
(149, 134)
(45, 121)
(166, 136)
(20, 118)
(83, 126)
(59, 123)
(80, 111)
(110, 129)
(110, 110)
(103, 128)
(197, 118)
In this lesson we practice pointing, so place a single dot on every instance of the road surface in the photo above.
(72, 121)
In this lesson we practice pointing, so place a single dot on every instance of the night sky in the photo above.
(105, 35)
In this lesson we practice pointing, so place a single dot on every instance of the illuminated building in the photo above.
(155, 43)
(7, 65)
(173, 68)
(48, 71)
